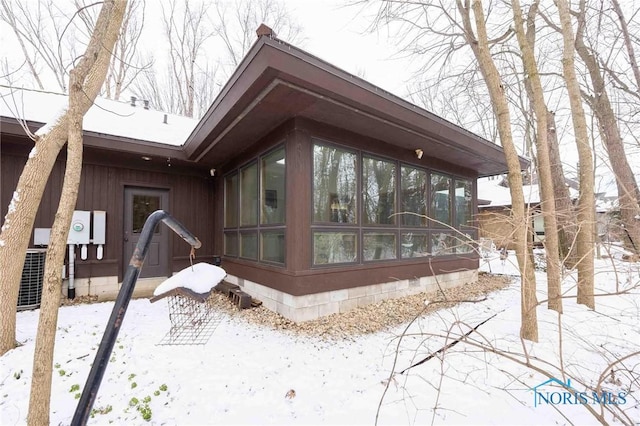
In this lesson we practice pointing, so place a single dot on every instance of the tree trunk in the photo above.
(547, 203)
(628, 194)
(87, 77)
(586, 202)
(564, 207)
(480, 48)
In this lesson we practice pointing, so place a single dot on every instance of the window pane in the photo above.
(272, 246)
(414, 245)
(143, 206)
(231, 243)
(334, 185)
(378, 246)
(413, 196)
(273, 200)
(334, 247)
(464, 243)
(378, 191)
(442, 244)
(463, 203)
(231, 201)
(249, 245)
(249, 195)
(441, 198)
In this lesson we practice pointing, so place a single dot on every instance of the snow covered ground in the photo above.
(245, 372)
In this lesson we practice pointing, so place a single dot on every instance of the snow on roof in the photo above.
(106, 116)
(491, 190)
(199, 278)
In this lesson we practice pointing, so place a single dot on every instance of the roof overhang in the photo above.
(277, 82)
(134, 152)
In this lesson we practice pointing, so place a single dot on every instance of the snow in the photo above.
(244, 372)
(199, 278)
(106, 116)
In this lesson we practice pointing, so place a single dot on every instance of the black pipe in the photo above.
(90, 391)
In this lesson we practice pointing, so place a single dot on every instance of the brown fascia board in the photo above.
(103, 141)
(271, 58)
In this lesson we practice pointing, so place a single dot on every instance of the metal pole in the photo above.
(90, 391)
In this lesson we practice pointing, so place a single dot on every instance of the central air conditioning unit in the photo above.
(32, 278)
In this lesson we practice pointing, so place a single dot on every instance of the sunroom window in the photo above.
(378, 191)
(334, 185)
(254, 210)
(441, 199)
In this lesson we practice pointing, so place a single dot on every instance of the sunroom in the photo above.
(331, 193)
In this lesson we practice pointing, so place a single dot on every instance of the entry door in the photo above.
(139, 203)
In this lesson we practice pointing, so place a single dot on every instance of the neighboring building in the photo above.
(297, 176)
(494, 210)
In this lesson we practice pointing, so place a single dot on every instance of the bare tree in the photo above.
(44, 38)
(628, 44)
(586, 202)
(427, 20)
(127, 60)
(535, 92)
(238, 21)
(188, 28)
(85, 81)
(479, 43)
(628, 193)
(18, 222)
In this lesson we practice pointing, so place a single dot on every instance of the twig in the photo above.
(449, 345)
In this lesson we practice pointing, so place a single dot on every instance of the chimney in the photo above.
(264, 30)
(146, 104)
(165, 119)
(133, 101)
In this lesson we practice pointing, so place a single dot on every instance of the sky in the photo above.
(244, 373)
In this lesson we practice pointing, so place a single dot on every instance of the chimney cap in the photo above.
(264, 30)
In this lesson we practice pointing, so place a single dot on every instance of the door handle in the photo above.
(126, 237)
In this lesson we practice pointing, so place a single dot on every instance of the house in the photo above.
(298, 176)
(494, 210)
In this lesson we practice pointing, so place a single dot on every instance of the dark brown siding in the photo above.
(102, 188)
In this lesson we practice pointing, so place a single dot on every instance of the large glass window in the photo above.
(231, 243)
(254, 210)
(414, 245)
(231, 201)
(379, 246)
(334, 185)
(442, 244)
(249, 245)
(464, 203)
(272, 246)
(334, 247)
(378, 191)
(249, 195)
(273, 189)
(441, 199)
(413, 196)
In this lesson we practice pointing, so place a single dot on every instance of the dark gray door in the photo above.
(139, 203)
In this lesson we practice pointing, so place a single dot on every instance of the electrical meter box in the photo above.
(79, 232)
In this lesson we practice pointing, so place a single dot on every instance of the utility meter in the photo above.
(79, 231)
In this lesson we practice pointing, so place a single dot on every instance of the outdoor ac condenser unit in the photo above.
(32, 278)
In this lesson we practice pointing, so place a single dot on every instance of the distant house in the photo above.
(494, 209)
(297, 176)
